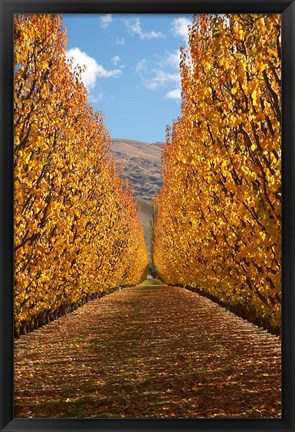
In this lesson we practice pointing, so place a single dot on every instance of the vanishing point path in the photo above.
(156, 352)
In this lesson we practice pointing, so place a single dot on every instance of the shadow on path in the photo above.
(148, 352)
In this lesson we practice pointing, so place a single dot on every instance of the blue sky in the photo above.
(132, 69)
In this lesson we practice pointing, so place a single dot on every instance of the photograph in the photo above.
(150, 181)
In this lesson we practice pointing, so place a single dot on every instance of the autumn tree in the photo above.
(218, 225)
(76, 227)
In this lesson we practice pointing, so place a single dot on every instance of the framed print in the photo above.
(147, 270)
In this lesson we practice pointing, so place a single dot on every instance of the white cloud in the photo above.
(133, 25)
(106, 20)
(120, 41)
(141, 66)
(165, 71)
(161, 78)
(96, 98)
(93, 69)
(170, 59)
(180, 28)
(174, 94)
(116, 59)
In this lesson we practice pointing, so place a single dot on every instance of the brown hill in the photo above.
(142, 165)
(142, 168)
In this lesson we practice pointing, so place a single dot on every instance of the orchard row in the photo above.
(77, 233)
(218, 215)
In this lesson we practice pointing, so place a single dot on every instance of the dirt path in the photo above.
(148, 352)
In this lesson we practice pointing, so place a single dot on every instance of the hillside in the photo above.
(142, 167)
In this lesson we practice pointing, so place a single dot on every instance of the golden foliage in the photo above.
(218, 215)
(76, 226)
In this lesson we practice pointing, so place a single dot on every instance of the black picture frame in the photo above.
(8, 9)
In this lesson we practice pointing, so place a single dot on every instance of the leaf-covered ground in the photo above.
(156, 352)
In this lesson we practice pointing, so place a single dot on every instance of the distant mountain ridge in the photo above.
(142, 168)
(142, 165)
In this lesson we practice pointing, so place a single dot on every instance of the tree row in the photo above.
(77, 232)
(218, 215)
